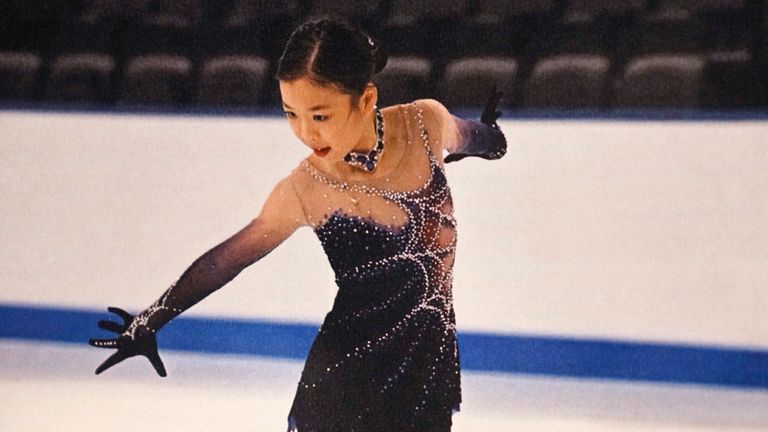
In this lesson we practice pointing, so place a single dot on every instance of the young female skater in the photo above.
(375, 193)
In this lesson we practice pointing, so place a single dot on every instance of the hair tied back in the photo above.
(332, 52)
(379, 55)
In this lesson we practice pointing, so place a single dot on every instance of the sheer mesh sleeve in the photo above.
(280, 217)
(464, 137)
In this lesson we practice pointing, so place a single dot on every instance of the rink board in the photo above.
(478, 351)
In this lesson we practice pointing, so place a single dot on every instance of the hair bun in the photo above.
(379, 54)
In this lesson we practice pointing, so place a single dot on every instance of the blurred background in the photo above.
(611, 270)
(564, 54)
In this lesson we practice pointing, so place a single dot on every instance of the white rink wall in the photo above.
(651, 231)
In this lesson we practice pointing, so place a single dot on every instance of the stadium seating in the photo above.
(19, 72)
(591, 26)
(467, 82)
(83, 78)
(730, 81)
(663, 31)
(29, 25)
(167, 26)
(233, 81)
(259, 27)
(500, 27)
(562, 54)
(661, 81)
(724, 23)
(364, 12)
(422, 27)
(403, 79)
(568, 82)
(589, 10)
(156, 80)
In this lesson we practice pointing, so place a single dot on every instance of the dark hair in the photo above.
(331, 52)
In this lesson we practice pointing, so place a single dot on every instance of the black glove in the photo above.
(134, 339)
(207, 274)
(482, 139)
(491, 113)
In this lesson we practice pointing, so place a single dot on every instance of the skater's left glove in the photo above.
(482, 139)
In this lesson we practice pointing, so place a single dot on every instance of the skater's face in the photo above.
(326, 120)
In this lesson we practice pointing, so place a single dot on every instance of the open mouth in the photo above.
(322, 152)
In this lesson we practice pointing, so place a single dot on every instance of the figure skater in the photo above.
(374, 192)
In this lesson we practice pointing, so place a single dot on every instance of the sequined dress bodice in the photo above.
(385, 357)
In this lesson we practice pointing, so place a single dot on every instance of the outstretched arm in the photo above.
(463, 137)
(279, 218)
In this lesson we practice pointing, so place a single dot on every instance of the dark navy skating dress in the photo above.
(386, 356)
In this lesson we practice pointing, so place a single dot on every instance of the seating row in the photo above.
(722, 80)
(436, 29)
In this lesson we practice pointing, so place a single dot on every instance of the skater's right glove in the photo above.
(136, 334)
(207, 274)
(134, 339)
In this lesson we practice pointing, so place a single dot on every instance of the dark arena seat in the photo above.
(19, 73)
(568, 82)
(403, 79)
(586, 10)
(723, 24)
(258, 27)
(705, 6)
(84, 78)
(366, 13)
(731, 80)
(591, 26)
(467, 82)
(412, 11)
(156, 79)
(661, 81)
(500, 10)
(663, 31)
(29, 25)
(233, 81)
(98, 25)
(422, 27)
(503, 27)
(167, 26)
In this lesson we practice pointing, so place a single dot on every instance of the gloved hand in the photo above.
(481, 139)
(133, 340)
(136, 335)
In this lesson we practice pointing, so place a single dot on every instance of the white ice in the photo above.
(51, 387)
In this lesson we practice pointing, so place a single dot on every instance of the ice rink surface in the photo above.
(51, 387)
(600, 230)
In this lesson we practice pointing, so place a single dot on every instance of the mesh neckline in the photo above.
(366, 188)
(365, 185)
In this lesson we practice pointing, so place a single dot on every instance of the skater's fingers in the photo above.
(112, 360)
(112, 326)
(122, 314)
(104, 343)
